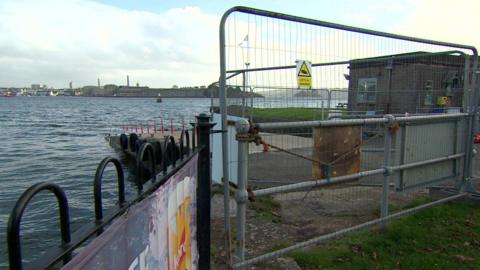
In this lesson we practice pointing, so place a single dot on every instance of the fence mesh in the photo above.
(354, 71)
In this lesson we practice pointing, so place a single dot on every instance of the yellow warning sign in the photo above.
(304, 74)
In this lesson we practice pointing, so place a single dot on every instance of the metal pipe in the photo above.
(224, 127)
(386, 163)
(424, 162)
(318, 123)
(472, 109)
(282, 16)
(343, 232)
(244, 93)
(420, 118)
(365, 60)
(316, 183)
(329, 103)
(242, 128)
(355, 122)
(350, 177)
(374, 150)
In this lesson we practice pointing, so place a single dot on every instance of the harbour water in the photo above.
(61, 140)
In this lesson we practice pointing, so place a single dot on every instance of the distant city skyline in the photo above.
(165, 43)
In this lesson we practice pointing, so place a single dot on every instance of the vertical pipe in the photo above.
(203, 192)
(211, 87)
(387, 99)
(244, 75)
(242, 128)
(472, 109)
(251, 104)
(387, 151)
(329, 101)
(322, 112)
(225, 163)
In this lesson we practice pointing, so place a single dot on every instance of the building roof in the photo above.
(448, 58)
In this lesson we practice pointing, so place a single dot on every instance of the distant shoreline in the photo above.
(150, 97)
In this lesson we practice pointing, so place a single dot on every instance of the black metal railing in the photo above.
(13, 229)
(97, 185)
(167, 158)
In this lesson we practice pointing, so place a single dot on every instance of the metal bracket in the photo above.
(218, 131)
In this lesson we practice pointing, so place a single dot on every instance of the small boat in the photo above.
(159, 98)
(8, 94)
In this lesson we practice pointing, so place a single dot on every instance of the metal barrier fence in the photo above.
(412, 154)
(170, 156)
(402, 114)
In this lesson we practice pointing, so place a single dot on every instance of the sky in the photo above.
(163, 43)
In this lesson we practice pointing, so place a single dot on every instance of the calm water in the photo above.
(61, 140)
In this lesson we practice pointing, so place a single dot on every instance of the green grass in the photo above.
(297, 114)
(267, 208)
(443, 237)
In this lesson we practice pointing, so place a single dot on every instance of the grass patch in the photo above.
(280, 245)
(297, 114)
(443, 237)
(267, 208)
(395, 207)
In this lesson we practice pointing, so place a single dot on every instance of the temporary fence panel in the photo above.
(426, 141)
(356, 76)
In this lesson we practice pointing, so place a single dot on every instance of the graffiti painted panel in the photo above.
(157, 233)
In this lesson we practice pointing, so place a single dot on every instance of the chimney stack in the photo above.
(71, 87)
(128, 81)
(98, 82)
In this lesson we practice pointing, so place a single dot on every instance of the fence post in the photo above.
(387, 151)
(242, 126)
(203, 191)
(329, 101)
(470, 107)
(244, 94)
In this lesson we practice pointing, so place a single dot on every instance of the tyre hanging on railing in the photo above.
(145, 172)
(132, 142)
(124, 142)
(157, 146)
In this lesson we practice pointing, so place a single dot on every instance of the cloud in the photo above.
(54, 42)
(451, 21)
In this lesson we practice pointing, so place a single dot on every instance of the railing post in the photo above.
(242, 126)
(203, 191)
(387, 151)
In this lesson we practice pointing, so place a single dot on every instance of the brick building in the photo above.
(415, 83)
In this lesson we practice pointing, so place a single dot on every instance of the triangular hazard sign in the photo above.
(304, 71)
